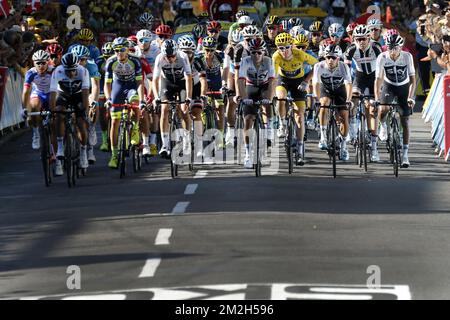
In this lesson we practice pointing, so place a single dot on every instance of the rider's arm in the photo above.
(53, 90)
(26, 96)
(203, 85)
(85, 86)
(347, 81)
(95, 90)
(412, 77)
(379, 75)
(107, 88)
(189, 85)
(309, 59)
(316, 81)
(349, 53)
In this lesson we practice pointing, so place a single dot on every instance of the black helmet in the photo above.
(69, 61)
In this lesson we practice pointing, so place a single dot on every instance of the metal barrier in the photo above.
(12, 101)
(436, 110)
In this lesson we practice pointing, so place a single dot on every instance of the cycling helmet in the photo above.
(144, 33)
(336, 30)
(241, 13)
(85, 34)
(251, 32)
(69, 61)
(374, 24)
(41, 55)
(107, 49)
(204, 15)
(390, 32)
(296, 22)
(332, 50)
(286, 25)
(361, 31)
(283, 39)
(272, 20)
(257, 44)
(81, 51)
(225, 7)
(245, 20)
(295, 31)
(338, 4)
(132, 41)
(186, 5)
(186, 43)
(146, 19)
(199, 31)
(351, 27)
(236, 36)
(209, 43)
(316, 26)
(54, 49)
(164, 30)
(169, 48)
(301, 40)
(119, 43)
(394, 40)
(214, 25)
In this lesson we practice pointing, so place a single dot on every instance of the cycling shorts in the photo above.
(44, 97)
(169, 90)
(75, 101)
(291, 85)
(364, 81)
(338, 96)
(256, 94)
(388, 94)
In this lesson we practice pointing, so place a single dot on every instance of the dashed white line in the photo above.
(163, 237)
(180, 207)
(191, 188)
(200, 174)
(150, 267)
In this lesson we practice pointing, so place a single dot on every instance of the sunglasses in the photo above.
(41, 63)
(331, 57)
(316, 34)
(210, 50)
(188, 52)
(301, 47)
(259, 53)
(164, 37)
(144, 40)
(121, 50)
(374, 30)
(361, 39)
(213, 31)
(272, 28)
(170, 56)
(284, 48)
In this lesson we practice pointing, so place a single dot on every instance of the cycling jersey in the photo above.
(293, 68)
(395, 72)
(331, 79)
(128, 71)
(256, 76)
(222, 43)
(101, 65)
(198, 69)
(151, 54)
(92, 68)
(172, 72)
(365, 61)
(213, 72)
(40, 83)
(63, 85)
(308, 68)
(271, 46)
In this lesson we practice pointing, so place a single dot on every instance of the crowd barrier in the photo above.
(436, 110)
(11, 83)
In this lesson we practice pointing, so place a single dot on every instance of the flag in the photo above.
(389, 16)
(4, 8)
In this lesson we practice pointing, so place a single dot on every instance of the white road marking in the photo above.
(191, 188)
(163, 237)
(200, 174)
(16, 197)
(150, 267)
(180, 207)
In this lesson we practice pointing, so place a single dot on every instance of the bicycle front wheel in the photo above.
(46, 155)
(289, 145)
(121, 154)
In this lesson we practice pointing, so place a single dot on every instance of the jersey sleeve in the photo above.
(109, 71)
(275, 62)
(29, 78)
(54, 81)
(379, 66)
(347, 74)
(157, 67)
(85, 81)
(200, 66)
(316, 74)
(377, 48)
(186, 66)
(138, 69)
(309, 59)
(271, 69)
(243, 70)
(238, 51)
(95, 71)
(410, 61)
(349, 53)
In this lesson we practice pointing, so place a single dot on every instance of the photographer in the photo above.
(442, 56)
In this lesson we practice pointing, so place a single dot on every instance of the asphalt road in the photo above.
(222, 233)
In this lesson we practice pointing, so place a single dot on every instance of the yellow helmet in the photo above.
(31, 21)
(283, 39)
(85, 34)
(301, 40)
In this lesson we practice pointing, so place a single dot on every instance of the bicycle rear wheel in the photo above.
(173, 165)
(239, 137)
(70, 173)
(396, 149)
(363, 141)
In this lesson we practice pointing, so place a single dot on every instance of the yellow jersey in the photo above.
(292, 69)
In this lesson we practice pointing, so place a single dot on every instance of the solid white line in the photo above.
(163, 237)
(150, 267)
(180, 207)
(200, 174)
(190, 188)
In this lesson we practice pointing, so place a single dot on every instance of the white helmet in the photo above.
(338, 4)
(236, 36)
(41, 55)
(374, 24)
(336, 29)
(251, 31)
(295, 31)
(186, 5)
(361, 30)
(169, 48)
(225, 7)
(186, 43)
(245, 20)
(144, 33)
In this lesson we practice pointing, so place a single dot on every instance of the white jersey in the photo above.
(173, 72)
(61, 83)
(331, 79)
(256, 76)
(364, 61)
(151, 54)
(395, 72)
